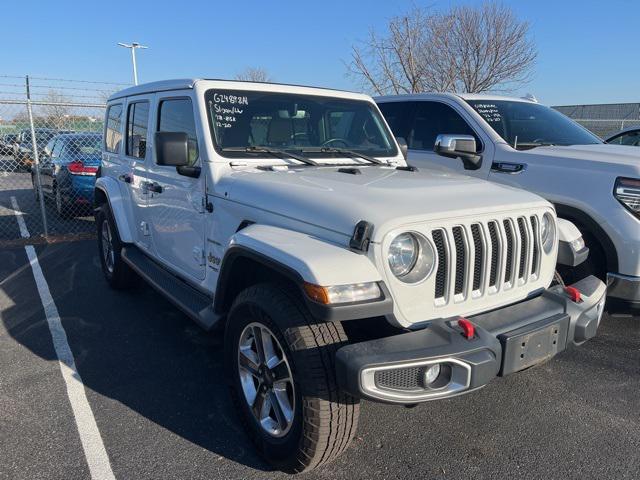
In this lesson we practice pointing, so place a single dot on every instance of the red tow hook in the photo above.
(574, 294)
(468, 330)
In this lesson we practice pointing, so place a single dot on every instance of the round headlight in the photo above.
(411, 257)
(403, 254)
(548, 232)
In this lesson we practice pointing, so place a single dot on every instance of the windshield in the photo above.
(291, 122)
(89, 145)
(526, 125)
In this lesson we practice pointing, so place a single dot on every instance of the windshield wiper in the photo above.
(344, 151)
(530, 145)
(271, 151)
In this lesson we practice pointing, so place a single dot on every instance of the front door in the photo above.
(430, 119)
(176, 202)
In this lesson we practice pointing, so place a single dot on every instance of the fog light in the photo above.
(431, 374)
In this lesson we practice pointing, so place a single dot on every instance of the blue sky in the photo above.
(586, 47)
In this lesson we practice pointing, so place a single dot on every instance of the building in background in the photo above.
(604, 119)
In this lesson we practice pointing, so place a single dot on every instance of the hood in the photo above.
(383, 196)
(600, 154)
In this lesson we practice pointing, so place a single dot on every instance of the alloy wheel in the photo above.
(107, 246)
(265, 376)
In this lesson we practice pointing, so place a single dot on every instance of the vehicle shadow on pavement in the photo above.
(149, 370)
(131, 347)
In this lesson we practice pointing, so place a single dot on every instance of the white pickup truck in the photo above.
(524, 144)
(287, 217)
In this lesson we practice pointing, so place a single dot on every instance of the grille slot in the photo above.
(508, 274)
(461, 259)
(524, 246)
(441, 273)
(478, 259)
(408, 379)
(493, 233)
(536, 246)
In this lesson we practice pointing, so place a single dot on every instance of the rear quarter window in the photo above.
(113, 129)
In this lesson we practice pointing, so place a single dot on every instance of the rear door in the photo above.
(176, 201)
(137, 151)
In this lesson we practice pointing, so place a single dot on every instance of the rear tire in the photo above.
(117, 273)
(324, 419)
(62, 209)
(36, 195)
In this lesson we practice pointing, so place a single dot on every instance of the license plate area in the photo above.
(533, 344)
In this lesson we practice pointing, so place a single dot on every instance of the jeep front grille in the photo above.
(484, 257)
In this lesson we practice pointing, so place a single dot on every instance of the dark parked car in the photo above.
(68, 168)
(628, 136)
(23, 148)
(6, 144)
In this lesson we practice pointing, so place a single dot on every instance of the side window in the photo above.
(398, 115)
(57, 149)
(49, 148)
(176, 115)
(432, 119)
(137, 125)
(631, 139)
(113, 135)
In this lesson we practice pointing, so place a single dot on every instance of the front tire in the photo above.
(316, 421)
(117, 273)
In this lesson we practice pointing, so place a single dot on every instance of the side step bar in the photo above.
(191, 301)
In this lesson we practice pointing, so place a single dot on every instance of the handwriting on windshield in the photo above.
(489, 112)
(227, 107)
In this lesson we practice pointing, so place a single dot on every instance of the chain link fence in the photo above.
(604, 119)
(50, 151)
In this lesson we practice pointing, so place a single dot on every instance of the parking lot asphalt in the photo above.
(156, 388)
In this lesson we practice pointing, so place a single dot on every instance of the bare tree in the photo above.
(466, 49)
(55, 109)
(254, 74)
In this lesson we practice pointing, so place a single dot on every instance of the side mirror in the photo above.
(404, 148)
(459, 146)
(172, 149)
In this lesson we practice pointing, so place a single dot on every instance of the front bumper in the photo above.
(513, 338)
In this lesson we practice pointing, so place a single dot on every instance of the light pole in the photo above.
(133, 47)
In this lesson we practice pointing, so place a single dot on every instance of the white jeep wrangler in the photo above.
(288, 217)
(521, 143)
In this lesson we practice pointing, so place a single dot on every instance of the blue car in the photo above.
(68, 168)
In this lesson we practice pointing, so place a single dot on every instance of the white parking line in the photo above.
(94, 450)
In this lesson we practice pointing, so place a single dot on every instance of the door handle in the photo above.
(126, 178)
(154, 187)
(508, 167)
